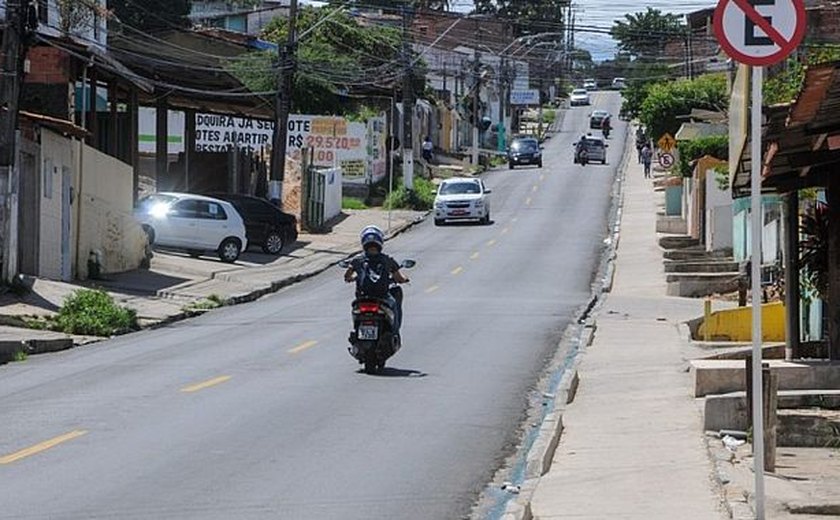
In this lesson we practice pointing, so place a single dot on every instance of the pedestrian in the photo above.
(639, 145)
(647, 157)
(428, 148)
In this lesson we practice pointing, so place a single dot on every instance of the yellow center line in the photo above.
(458, 270)
(534, 188)
(432, 289)
(206, 384)
(528, 201)
(491, 243)
(42, 446)
(475, 256)
(303, 346)
(505, 230)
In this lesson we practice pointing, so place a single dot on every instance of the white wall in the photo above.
(57, 154)
(718, 215)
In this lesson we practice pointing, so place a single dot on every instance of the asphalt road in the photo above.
(257, 411)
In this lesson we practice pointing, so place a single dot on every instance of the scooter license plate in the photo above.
(368, 332)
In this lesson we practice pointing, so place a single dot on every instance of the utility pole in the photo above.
(282, 107)
(476, 93)
(503, 90)
(9, 96)
(408, 102)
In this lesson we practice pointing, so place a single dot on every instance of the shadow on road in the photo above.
(396, 372)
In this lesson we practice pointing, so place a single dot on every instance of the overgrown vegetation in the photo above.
(665, 103)
(784, 85)
(214, 301)
(716, 146)
(93, 312)
(421, 199)
(813, 249)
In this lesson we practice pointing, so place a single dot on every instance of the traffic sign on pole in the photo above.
(758, 33)
(666, 160)
(666, 143)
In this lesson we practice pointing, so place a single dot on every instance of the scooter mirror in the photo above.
(408, 264)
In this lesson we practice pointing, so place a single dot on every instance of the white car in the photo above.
(461, 198)
(619, 83)
(579, 96)
(193, 223)
(590, 84)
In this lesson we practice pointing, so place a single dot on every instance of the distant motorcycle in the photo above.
(372, 340)
(606, 131)
(581, 156)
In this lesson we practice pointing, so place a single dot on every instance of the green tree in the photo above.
(665, 103)
(152, 15)
(645, 34)
(716, 146)
(392, 5)
(527, 15)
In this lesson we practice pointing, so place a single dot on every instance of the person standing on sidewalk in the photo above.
(647, 156)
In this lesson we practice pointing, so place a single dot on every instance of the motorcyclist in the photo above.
(606, 126)
(580, 149)
(373, 240)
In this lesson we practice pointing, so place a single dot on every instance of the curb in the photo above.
(9, 350)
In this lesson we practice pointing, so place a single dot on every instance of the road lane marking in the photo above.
(206, 384)
(475, 256)
(534, 189)
(528, 201)
(41, 446)
(505, 231)
(491, 243)
(542, 177)
(432, 289)
(458, 270)
(514, 219)
(303, 346)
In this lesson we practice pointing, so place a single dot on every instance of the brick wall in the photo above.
(48, 65)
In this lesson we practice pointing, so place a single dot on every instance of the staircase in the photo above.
(691, 271)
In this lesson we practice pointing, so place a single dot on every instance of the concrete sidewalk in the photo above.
(633, 445)
(175, 281)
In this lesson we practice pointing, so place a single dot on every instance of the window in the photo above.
(47, 183)
(460, 188)
(187, 209)
(43, 12)
(212, 211)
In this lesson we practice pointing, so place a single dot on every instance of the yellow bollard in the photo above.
(707, 320)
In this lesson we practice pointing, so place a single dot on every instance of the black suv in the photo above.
(265, 224)
(524, 150)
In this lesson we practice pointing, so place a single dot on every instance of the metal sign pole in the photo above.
(756, 211)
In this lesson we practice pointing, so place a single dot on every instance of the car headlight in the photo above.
(439, 204)
(479, 203)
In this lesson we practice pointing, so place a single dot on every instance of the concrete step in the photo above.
(712, 376)
(677, 242)
(813, 428)
(729, 411)
(699, 285)
(696, 253)
(708, 266)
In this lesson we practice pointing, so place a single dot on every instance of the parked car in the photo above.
(524, 150)
(619, 83)
(579, 97)
(596, 118)
(265, 224)
(590, 84)
(193, 223)
(461, 198)
(596, 149)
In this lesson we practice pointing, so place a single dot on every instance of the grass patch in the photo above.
(214, 301)
(549, 115)
(353, 203)
(21, 355)
(497, 160)
(421, 199)
(93, 312)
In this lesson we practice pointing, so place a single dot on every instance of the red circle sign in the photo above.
(762, 37)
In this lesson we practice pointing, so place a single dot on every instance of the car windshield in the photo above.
(579, 92)
(156, 200)
(460, 188)
(594, 143)
(524, 145)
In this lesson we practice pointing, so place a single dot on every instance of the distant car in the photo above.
(590, 84)
(579, 97)
(462, 198)
(265, 224)
(596, 118)
(596, 149)
(193, 223)
(524, 150)
(619, 83)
